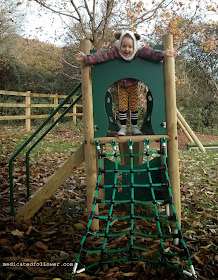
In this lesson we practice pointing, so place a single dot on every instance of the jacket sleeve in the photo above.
(103, 55)
(150, 54)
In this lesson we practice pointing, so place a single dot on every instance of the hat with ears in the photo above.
(136, 37)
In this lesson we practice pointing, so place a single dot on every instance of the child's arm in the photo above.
(155, 55)
(80, 56)
(100, 56)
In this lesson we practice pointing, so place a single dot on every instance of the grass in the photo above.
(56, 141)
(199, 179)
(45, 149)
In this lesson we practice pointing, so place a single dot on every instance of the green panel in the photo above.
(146, 126)
(112, 124)
(106, 74)
(142, 194)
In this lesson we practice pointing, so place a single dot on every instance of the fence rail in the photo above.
(28, 105)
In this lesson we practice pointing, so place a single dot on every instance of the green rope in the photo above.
(132, 202)
(132, 248)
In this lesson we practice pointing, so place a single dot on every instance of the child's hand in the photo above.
(170, 53)
(80, 56)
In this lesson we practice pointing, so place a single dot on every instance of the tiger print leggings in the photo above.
(128, 95)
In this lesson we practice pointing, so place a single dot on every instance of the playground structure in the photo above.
(160, 79)
(155, 82)
(95, 130)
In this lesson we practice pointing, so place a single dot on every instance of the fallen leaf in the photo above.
(148, 253)
(79, 226)
(41, 245)
(6, 244)
(20, 246)
(29, 230)
(198, 259)
(130, 274)
(83, 275)
(18, 233)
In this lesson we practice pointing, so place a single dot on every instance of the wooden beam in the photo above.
(135, 139)
(88, 124)
(190, 131)
(51, 186)
(12, 105)
(138, 148)
(184, 130)
(15, 93)
(28, 112)
(171, 119)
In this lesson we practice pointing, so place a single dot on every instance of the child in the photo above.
(126, 47)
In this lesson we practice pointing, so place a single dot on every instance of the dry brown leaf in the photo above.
(112, 271)
(148, 253)
(130, 274)
(28, 260)
(18, 233)
(12, 259)
(198, 259)
(41, 245)
(29, 230)
(83, 275)
(79, 226)
(6, 244)
(20, 246)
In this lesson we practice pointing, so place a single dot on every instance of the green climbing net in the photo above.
(132, 240)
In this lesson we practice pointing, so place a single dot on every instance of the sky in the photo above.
(46, 28)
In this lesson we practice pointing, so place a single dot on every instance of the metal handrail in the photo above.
(30, 139)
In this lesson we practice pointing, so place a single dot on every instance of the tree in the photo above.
(192, 23)
(98, 19)
(8, 14)
(197, 97)
(197, 76)
(35, 66)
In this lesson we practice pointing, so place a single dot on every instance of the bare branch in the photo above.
(55, 11)
(87, 9)
(110, 6)
(93, 22)
(72, 78)
(80, 19)
(150, 14)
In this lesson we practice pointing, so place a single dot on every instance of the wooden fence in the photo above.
(28, 105)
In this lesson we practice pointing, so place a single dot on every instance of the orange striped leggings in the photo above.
(130, 93)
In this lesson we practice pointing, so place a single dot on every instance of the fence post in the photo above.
(74, 113)
(55, 106)
(28, 112)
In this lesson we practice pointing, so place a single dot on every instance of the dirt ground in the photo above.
(204, 138)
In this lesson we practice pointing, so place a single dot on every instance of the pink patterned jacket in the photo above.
(105, 55)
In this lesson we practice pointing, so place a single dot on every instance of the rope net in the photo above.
(127, 236)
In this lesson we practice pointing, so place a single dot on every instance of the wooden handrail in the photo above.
(123, 139)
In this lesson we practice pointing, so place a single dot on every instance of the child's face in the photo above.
(127, 46)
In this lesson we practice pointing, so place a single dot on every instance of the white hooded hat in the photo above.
(136, 43)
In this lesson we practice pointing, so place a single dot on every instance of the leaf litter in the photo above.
(52, 236)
